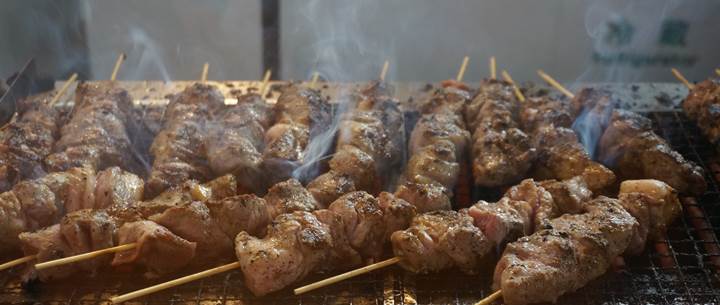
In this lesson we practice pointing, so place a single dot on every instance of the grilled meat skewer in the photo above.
(502, 153)
(573, 249)
(86, 230)
(301, 114)
(34, 204)
(369, 146)
(702, 105)
(437, 149)
(99, 131)
(178, 147)
(28, 140)
(235, 140)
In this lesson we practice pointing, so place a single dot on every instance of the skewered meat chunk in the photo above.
(28, 140)
(568, 195)
(438, 240)
(432, 128)
(295, 244)
(503, 221)
(245, 212)
(370, 136)
(301, 115)
(289, 196)
(501, 152)
(88, 230)
(235, 141)
(193, 222)
(99, 131)
(336, 238)
(425, 197)
(47, 244)
(177, 149)
(538, 112)
(565, 256)
(35, 204)
(562, 157)
(702, 105)
(634, 151)
(157, 248)
(654, 204)
(542, 203)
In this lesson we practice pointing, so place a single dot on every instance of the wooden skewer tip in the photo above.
(264, 85)
(204, 75)
(314, 80)
(346, 275)
(463, 67)
(547, 78)
(383, 72)
(681, 78)
(509, 79)
(493, 68)
(491, 298)
(118, 63)
(64, 88)
(173, 283)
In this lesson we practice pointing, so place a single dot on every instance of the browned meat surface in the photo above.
(12, 221)
(569, 195)
(301, 114)
(542, 203)
(99, 131)
(28, 140)
(438, 145)
(503, 221)
(570, 252)
(569, 159)
(295, 244)
(439, 240)
(240, 213)
(502, 153)
(88, 230)
(158, 250)
(369, 136)
(352, 230)
(634, 151)
(702, 105)
(178, 148)
(115, 187)
(235, 140)
(193, 222)
(537, 112)
(654, 204)
(46, 244)
(289, 196)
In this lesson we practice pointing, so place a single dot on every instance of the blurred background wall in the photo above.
(609, 40)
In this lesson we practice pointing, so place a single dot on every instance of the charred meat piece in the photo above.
(99, 132)
(289, 196)
(570, 252)
(88, 230)
(158, 249)
(440, 240)
(561, 156)
(501, 157)
(634, 151)
(115, 187)
(503, 221)
(178, 148)
(569, 195)
(46, 244)
(654, 205)
(702, 105)
(295, 244)
(370, 134)
(240, 213)
(193, 222)
(537, 112)
(542, 203)
(301, 114)
(425, 196)
(28, 140)
(235, 141)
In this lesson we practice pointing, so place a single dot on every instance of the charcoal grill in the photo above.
(685, 273)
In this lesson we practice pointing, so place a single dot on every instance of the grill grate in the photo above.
(683, 270)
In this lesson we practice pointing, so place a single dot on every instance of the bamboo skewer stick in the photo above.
(555, 84)
(173, 283)
(204, 75)
(383, 72)
(314, 79)
(491, 298)
(463, 67)
(493, 68)
(16, 262)
(717, 71)
(509, 79)
(346, 275)
(682, 78)
(62, 90)
(84, 256)
(264, 86)
(118, 63)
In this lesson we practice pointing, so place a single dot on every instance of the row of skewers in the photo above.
(507, 137)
